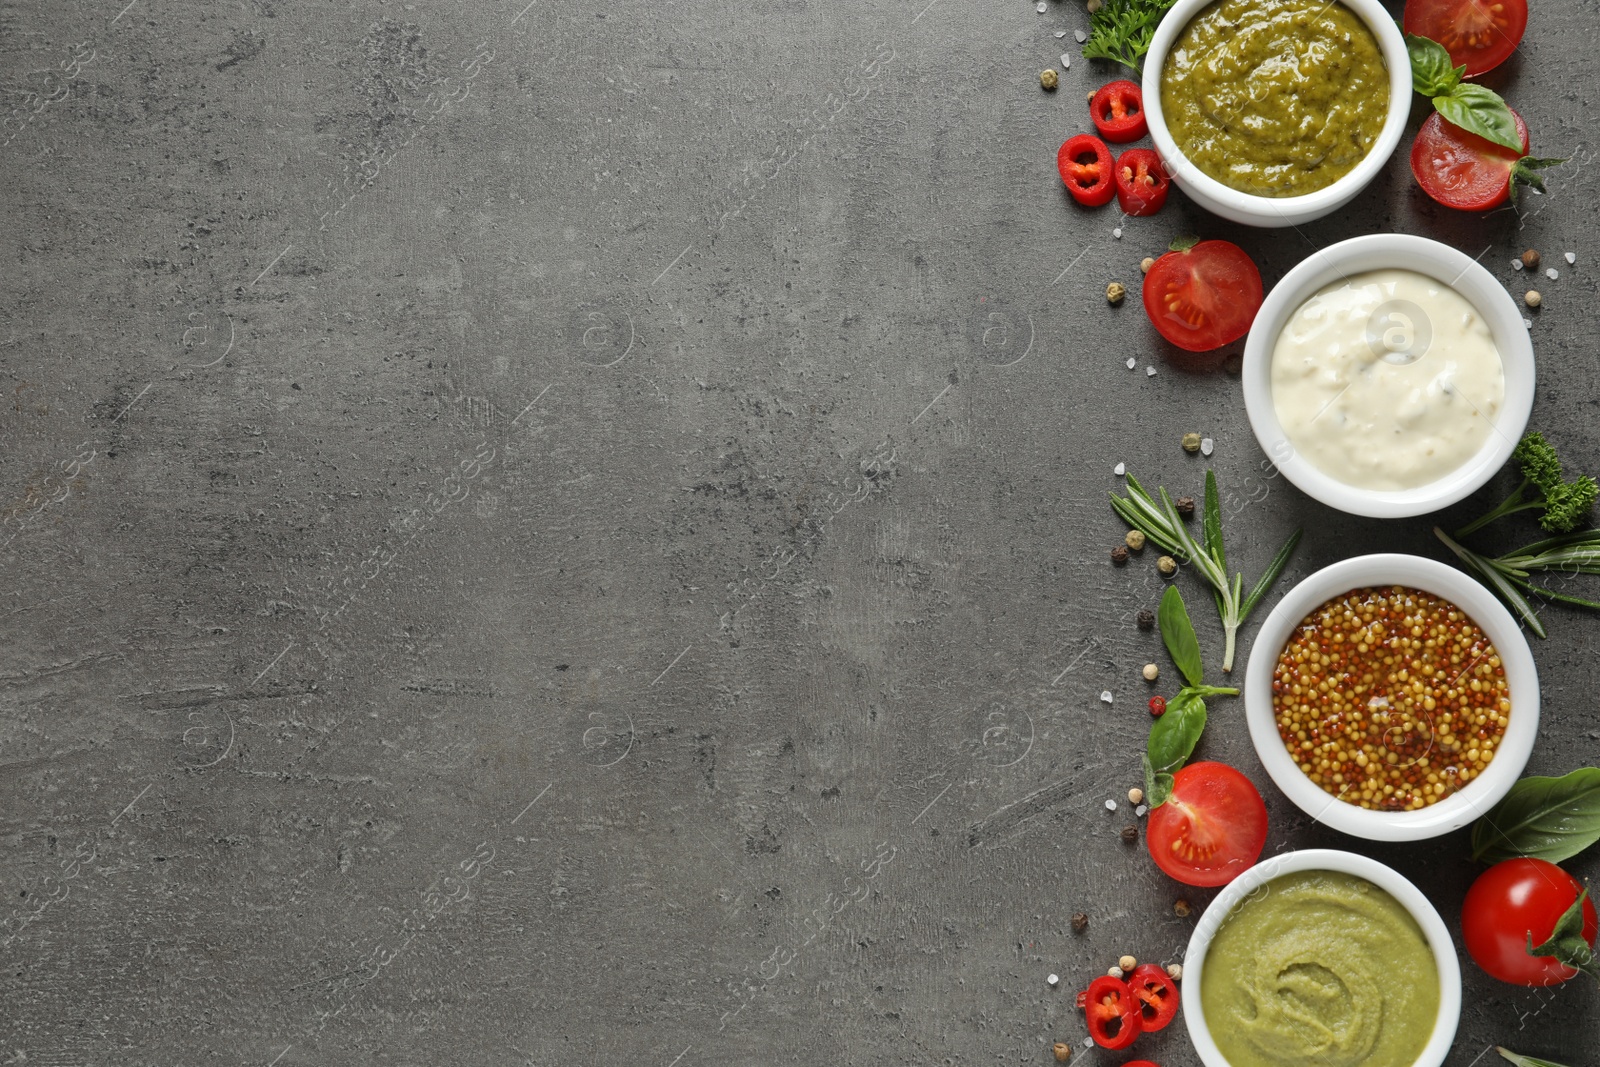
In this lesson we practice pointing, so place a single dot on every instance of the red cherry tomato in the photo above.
(1085, 165)
(1112, 1013)
(1203, 297)
(1479, 34)
(1157, 996)
(1142, 182)
(1461, 169)
(1211, 829)
(1118, 112)
(1508, 903)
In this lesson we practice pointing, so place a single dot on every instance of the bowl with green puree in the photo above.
(1321, 957)
(1276, 112)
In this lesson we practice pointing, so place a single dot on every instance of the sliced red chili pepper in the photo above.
(1142, 182)
(1157, 996)
(1085, 165)
(1112, 1013)
(1118, 112)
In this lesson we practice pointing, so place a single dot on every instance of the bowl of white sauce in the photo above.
(1388, 375)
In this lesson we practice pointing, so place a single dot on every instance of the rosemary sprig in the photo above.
(1161, 523)
(1508, 575)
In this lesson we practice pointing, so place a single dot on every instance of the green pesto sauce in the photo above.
(1320, 968)
(1275, 97)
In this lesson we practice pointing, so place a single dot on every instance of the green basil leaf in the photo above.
(1551, 819)
(1525, 1061)
(1178, 633)
(1157, 787)
(1480, 111)
(1431, 71)
(1174, 735)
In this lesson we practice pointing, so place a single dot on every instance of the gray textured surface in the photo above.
(664, 443)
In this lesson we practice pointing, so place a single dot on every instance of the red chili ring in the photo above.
(1085, 165)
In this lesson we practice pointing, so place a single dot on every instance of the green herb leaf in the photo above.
(1480, 111)
(1174, 735)
(1183, 242)
(1566, 942)
(1551, 819)
(1211, 525)
(1178, 634)
(1270, 575)
(1121, 30)
(1431, 71)
(1525, 1061)
(1157, 786)
(1492, 576)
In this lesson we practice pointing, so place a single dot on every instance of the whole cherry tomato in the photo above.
(1511, 902)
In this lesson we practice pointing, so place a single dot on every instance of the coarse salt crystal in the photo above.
(1088, 1042)
(1105, 695)
(1528, 323)
(1054, 979)
(1140, 810)
(1117, 233)
(1111, 805)
(1120, 469)
(1132, 363)
(1552, 274)
(1061, 33)
(1516, 264)
(1571, 257)
(1066, 61)
(1206, 446)
(1080, 35)
(1149, 372)
(1040, 7)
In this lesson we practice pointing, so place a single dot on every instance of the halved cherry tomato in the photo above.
(1157, 996)
(1211, 829)
(1142, 182)
(1118, 112)
(1511, 902)
(1478, 34)
(1204, 296)
(1464, 171)
(1112, 1013)
(1085, 165)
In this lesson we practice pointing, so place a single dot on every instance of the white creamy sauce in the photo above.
(1388, 380)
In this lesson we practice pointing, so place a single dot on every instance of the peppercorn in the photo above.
(1532, 298)
(1080, 922)
(1115, 291)
(1049, 79)
(1145, 264)
(1185, 506)
(1130, 834)
(1175, 971)
(1158, 706)
(1115, 972)
(1191, 442)
(1180, 908)
(1134, 539)
(1119, 555)
(1127, 963)
(1062, 1051)
(1094, 5)
(1167, 566)
(1530, 259)
(1136, 795)
(1146, 619)
(1151, 672)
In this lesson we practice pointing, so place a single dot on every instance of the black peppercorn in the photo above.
(1130, 834)
(1185, 506)
(1119, 555)
(1147, 619)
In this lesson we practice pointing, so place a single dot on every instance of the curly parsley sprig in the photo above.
(1121, 30)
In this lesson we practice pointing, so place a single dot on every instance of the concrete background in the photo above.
(577, 533)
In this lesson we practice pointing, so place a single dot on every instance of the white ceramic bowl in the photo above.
(1254, 210)
(1324, 859)
(1454, 811)
(1381, 251)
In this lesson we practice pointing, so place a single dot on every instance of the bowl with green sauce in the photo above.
(1276, 112)
(1321, 957)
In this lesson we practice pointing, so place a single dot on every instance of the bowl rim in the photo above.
(1384, 877)
(1285, 210)
(1442, 580)
(1425, 256)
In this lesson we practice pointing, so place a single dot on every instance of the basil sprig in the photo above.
(1472, 107)
(1566, 942)
(1551, 819)
(1175, 734)
(1525, 1061)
